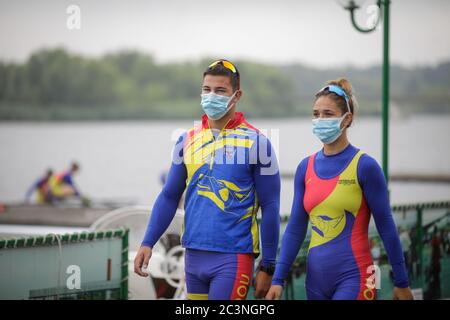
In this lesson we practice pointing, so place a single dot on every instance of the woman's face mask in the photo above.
(328, 129)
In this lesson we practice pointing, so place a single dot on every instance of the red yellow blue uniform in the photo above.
(58, 181)
(228, 177)
(221, 199)
(41, 186)
(334, 193)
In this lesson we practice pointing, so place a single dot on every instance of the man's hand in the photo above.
(141, 260)
(85, 202)
(274, 292)
(261, 284)
(403, 294)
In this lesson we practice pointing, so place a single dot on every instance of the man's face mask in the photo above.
(215, 106)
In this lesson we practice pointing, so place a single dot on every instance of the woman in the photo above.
(337, 189)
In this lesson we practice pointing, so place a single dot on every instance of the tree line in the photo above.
(54, 84)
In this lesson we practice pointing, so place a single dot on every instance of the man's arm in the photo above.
(167, 201)
(68, 179)
(267, 184)
(164, 209)
(30, 191)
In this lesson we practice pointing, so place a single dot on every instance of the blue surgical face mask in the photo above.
(215, 106)
(328, 129)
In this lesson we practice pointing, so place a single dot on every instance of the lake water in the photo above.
(123, 160)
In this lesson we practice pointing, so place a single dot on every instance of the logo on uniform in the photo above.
(326, 226)
(224, 194)
(347, 182)
(229, 151)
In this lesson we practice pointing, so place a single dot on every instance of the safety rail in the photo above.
(12, 249)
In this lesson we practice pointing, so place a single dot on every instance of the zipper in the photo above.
(211, 161)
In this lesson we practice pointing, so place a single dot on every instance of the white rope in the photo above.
(58, 280)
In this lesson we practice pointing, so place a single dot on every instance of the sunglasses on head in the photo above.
(226, 64)
(337, 90)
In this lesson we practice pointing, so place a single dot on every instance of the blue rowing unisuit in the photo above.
(337, 194)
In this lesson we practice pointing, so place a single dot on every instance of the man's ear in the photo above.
(237, 96)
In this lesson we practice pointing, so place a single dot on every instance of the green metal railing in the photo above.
(422, 218)
(419, 209)
(11, 250)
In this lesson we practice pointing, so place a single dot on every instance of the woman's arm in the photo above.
(296, 229)
(375, 190)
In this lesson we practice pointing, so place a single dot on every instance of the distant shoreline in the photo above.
(167, 119)
(57, 84)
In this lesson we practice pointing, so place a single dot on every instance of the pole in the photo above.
(385, 90)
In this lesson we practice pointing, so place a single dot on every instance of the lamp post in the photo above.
(383, 6)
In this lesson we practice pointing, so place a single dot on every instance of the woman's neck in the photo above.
(337, 146)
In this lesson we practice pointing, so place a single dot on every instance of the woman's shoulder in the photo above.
(302, 166)
(305, 160)
(369, 169)
(368, 162)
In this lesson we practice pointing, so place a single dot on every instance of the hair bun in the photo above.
(348, 89)
(345, 85)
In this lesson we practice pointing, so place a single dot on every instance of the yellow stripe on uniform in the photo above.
(255, 229)
(213, 197)
(237, 132)
(345, 197)
(197, 296)
(234, 142)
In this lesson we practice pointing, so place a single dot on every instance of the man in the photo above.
(41, 186)
(229, 170)
(62, 185)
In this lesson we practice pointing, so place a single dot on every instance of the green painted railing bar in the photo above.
(66, 238)
(400, 208)
(423, 205)
(124, 281)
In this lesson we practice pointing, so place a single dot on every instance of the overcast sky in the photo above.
(316, 32)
